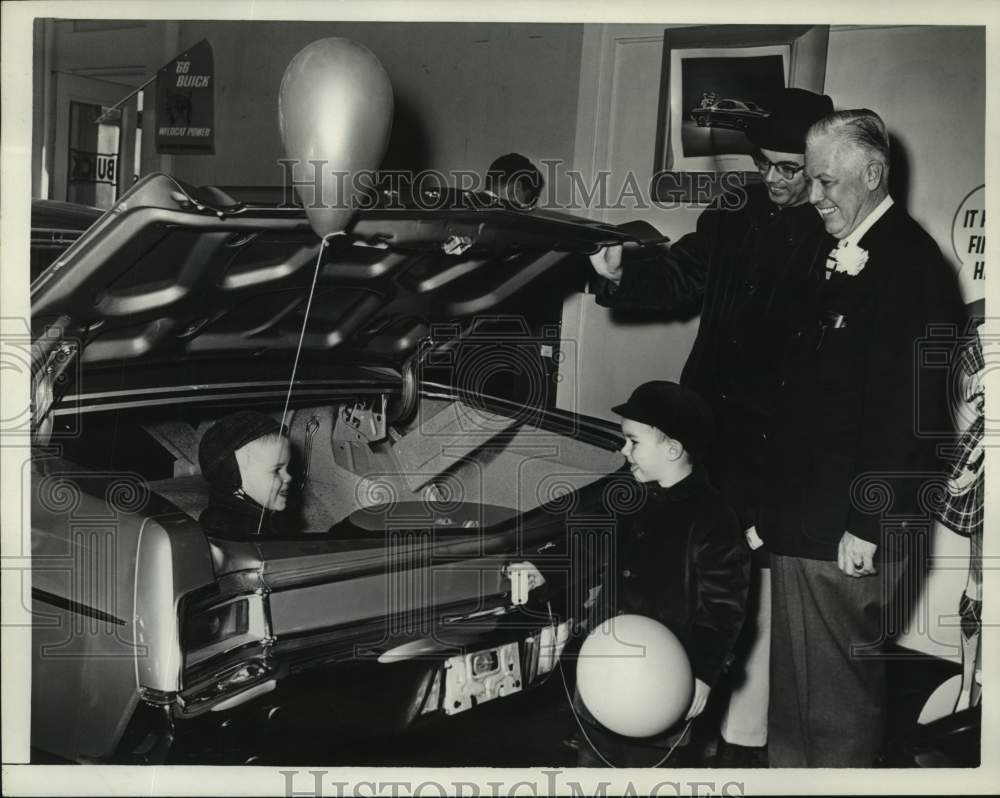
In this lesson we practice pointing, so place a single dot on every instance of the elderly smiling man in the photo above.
(850, 434)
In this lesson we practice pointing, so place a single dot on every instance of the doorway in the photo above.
(96, 146)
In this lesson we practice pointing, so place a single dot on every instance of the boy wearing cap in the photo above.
(681, 556)
(244, 457)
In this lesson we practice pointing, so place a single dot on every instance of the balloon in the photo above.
(634, 676)
(334, 106)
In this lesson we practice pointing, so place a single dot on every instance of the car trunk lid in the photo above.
(175, 281)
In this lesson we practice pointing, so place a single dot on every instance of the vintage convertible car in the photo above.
(429, 457)
(736, 114)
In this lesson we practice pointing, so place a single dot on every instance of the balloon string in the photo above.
(298, 349)
(579, 722)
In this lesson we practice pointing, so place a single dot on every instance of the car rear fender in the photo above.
(108, 568)
(173, 559)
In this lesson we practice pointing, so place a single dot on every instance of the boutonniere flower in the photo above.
(850, 259)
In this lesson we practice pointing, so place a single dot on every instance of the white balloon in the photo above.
(634, 676)
(335, 108)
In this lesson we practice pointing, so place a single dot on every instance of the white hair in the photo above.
(860, 127)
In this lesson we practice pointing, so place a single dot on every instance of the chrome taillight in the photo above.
(214, 630)
(217, 625)
(244, 674)
(226, 644)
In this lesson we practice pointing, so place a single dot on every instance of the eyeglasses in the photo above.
(786, 169)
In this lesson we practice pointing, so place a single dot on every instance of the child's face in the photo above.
(264, 470)
(646, 449)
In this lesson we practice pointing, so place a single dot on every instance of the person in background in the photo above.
(962, 506)
(752, 271)
(515, 180)
(511, 181)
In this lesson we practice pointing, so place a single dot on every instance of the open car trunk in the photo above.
(459, 490)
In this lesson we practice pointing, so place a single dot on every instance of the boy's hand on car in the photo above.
(524, 577)
(701, 692)
(607, 262)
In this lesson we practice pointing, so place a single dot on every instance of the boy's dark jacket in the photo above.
(684, 561)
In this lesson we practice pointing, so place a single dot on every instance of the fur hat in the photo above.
(793, 112)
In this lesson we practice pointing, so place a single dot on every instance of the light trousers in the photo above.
(744, 721)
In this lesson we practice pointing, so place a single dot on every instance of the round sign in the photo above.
(968, 240)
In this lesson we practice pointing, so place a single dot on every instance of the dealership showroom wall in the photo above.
(586, 96)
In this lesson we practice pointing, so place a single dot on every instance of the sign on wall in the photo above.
(92, 167)
(968, 239)
(185, 103)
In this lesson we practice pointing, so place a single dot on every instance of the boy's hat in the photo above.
(793, 112)
(217, 450)
(678, 411)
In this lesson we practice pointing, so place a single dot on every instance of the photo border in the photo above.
(22, 779)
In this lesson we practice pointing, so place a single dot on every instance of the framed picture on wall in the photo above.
(716, 80)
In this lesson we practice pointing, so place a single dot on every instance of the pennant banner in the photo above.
(185, 103)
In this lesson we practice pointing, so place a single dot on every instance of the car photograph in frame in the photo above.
(739, 67)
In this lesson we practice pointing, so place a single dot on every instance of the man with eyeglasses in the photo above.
(753, 271)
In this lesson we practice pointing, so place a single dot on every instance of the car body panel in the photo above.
(102, 635)
(172, 561)
(377, 596)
